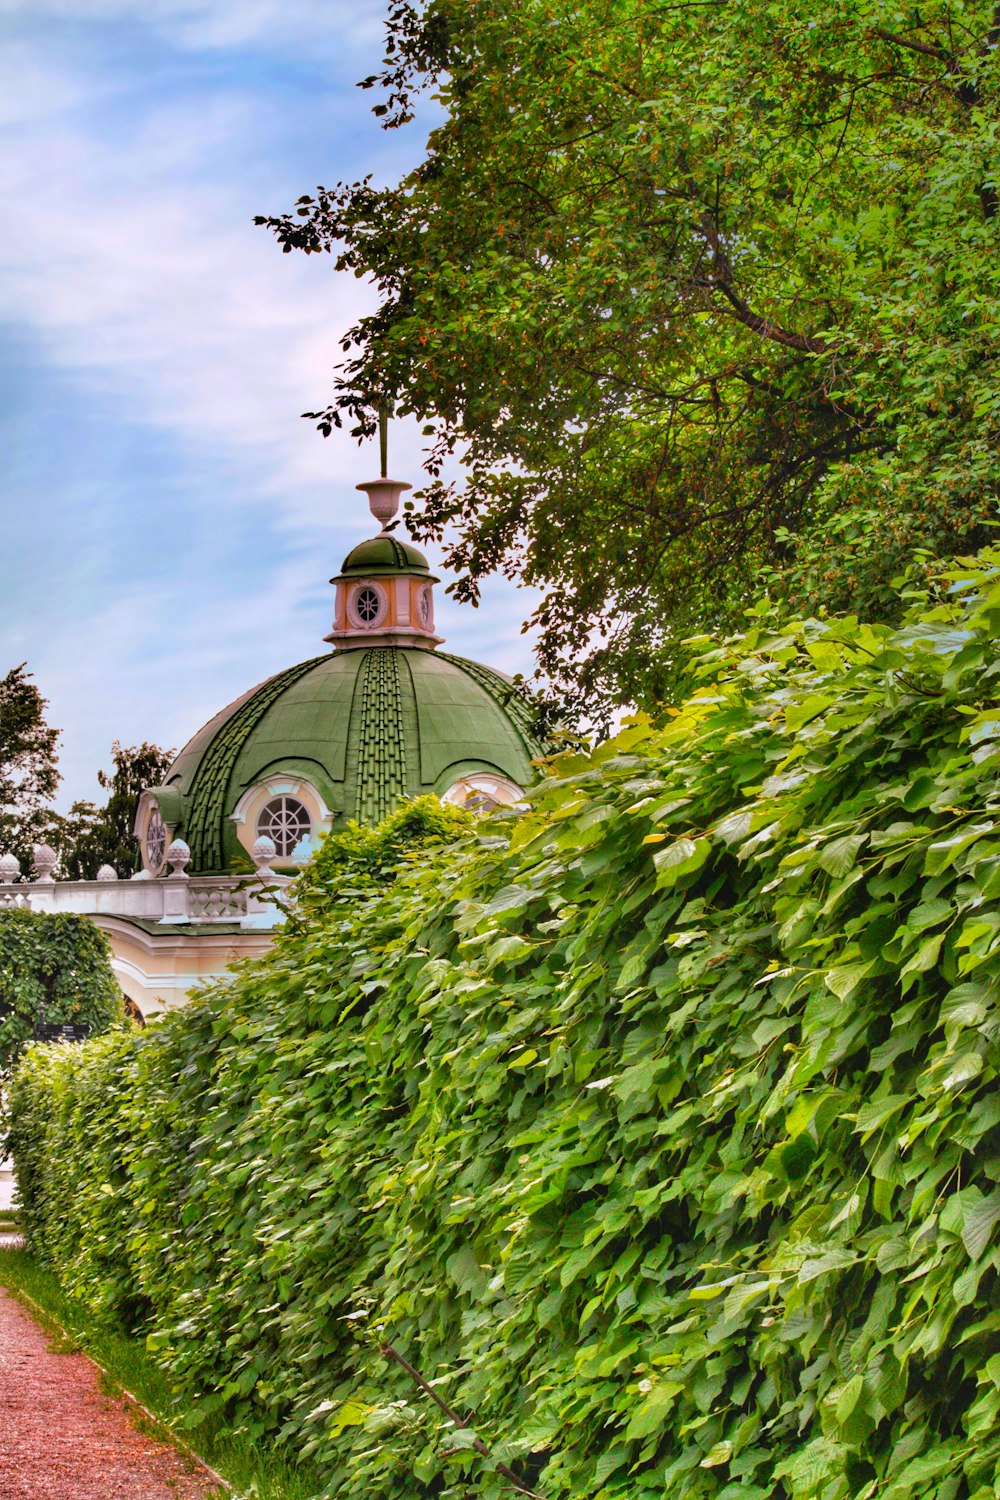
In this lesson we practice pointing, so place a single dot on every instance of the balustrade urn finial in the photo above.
(383, 497)
(263, 854)
(10, 869)
(43, 863)
(107, 872)
(178, 856)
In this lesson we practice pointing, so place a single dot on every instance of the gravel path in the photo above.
(61, 1438)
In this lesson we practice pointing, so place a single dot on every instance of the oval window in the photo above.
(155, 841)
(367, 606)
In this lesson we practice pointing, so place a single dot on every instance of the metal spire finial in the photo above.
(383, 493)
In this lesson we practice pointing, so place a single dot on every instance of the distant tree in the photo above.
(28, 773)
(89, 837)
(77, 838)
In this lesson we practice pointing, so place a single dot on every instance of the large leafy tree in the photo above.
(28, 764)
(704, 294)
(90, 836)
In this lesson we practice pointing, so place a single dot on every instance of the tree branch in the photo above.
(903, 41)
(966, 90)
(390, 1353)
(721, 278)
(768, 330)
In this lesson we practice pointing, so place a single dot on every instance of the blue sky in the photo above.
(169, 523)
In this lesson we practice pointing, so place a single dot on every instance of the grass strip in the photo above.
(251, 1469)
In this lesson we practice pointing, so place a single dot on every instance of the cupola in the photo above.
(347, 735)
(385, 588)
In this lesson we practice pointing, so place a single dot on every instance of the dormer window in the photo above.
(284, 808)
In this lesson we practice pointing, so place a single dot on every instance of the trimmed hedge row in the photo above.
(656, 1134)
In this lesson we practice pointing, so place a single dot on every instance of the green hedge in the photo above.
(68, 1129)
(658, 1131)
(55, 967)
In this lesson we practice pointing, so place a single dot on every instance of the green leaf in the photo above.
(942, 854)
(808, 1469)
(964, 1068)
(849, 1397)
(683, 857)
(510, 898)
(978, 1223)
(466, 1272)
(875, 1113)
(798, 714)
(721, 1453)
(650, 1416)
(840, 855)
(462, 1439)
(845, 980)
(925, 957)
(350, 1413)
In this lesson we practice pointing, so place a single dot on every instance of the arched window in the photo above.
(286, 821)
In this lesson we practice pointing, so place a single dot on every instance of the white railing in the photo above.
(214, 901)
(171, 900)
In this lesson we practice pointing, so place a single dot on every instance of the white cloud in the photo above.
(136, 270)
(327, 25)
(33, 88)
(151, 283)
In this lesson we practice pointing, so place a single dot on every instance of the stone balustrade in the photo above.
(176, 899)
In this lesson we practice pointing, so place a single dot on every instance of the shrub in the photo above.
(360, 859)
(657, 1131)
(53, 967)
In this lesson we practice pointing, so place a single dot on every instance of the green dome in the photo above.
(382, 555)
(365, 728)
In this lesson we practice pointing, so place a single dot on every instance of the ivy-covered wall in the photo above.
(655, 1134)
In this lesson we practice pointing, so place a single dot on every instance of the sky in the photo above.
(168, 522)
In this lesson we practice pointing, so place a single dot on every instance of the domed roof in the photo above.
(365, 728)
(381, 556)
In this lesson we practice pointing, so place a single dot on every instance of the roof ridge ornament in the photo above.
(383, 493)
